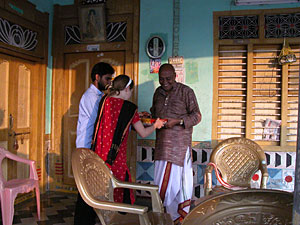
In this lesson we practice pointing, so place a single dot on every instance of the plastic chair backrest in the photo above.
(93, 178)
(2, 156)
(259, 207)
(238, 159)
(10, 188)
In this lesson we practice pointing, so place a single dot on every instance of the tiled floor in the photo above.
(57, 208)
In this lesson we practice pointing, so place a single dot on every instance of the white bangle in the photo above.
(181, 122)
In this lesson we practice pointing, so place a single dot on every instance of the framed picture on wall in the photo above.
(92, 23)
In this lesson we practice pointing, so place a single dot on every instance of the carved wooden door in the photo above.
(18, 104)
(77, 79)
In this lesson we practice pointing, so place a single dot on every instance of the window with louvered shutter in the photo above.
(251, 88)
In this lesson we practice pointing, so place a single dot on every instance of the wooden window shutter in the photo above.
(292, 98)
(266, 91)
(232, 89)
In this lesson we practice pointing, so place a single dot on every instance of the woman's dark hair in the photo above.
(101, 68)
(119, 84)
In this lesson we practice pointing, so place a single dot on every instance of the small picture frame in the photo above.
(92, 23)
(155, 47)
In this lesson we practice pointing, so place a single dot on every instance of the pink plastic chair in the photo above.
(10, 189)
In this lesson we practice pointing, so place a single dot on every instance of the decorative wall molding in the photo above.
(89, 2)
(72, 34)
(115, 32)
(263, 2)
(15, 35)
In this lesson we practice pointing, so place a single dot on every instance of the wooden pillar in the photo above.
(296, 207)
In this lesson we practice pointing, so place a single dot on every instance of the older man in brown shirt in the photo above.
(173, 167)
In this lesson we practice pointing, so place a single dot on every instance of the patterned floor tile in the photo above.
(56, 208)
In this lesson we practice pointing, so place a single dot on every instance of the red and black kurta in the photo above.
(110, 138)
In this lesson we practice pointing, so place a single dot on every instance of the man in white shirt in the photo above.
(101, 76)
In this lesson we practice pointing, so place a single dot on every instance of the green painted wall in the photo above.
(195, 45)
(47, 6)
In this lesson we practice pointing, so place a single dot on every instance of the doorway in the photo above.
(77, 70)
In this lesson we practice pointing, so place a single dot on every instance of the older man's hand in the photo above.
(172, 122)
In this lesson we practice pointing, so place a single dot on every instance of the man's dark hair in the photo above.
(101, 68)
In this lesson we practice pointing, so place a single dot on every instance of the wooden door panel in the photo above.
(77, 76)
(22, 112)
(4, 72)
(4, 68)
(78, 83)
(23, 151)
(15, 111)
(23, 101)
(77, 70)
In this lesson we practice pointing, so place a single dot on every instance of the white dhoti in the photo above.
(175, 186)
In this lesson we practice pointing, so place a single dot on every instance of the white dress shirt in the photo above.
(88, 110)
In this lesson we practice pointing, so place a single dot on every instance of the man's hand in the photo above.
(172, 122)
(144, 114)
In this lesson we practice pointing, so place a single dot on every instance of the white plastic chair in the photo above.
(9, 189)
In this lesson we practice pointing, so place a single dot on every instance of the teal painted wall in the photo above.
(195, 45)
(47, 6)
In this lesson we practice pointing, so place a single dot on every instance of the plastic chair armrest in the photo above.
(265, 176)
(208, 180)
(137, 186)
(121, 207)
(17, 158)
(153, 189)
(33, 172)
(116, 206)
(31, 163)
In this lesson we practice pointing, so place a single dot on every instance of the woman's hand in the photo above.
(159, 123)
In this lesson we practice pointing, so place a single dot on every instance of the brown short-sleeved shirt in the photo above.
(180, 103)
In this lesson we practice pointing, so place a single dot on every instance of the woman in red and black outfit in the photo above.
(116, 115)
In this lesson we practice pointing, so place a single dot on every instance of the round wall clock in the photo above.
(155, 47)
